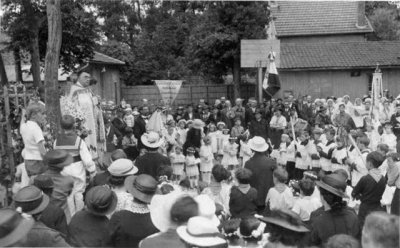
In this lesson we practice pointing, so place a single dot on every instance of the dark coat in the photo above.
(194, 116)
(151, 162)
(168, 239)
(249, 116)
(127, 229)
(54, 217)
(259, 128)
(42, 236)
(262, 167)
(396, 125)
(139, 129)
(88, 230)
(242, 205)
(119, 124)
(101, 178)
(215, 118)
(110, 147)
(307, 112)
(329, 223)
(62, 188)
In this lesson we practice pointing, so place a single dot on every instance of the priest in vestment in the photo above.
(88, 103)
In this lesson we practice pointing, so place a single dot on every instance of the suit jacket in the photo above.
(168, 239)
(215, 119)
(54, 217)
(259, 128)
(62, 188)
(150, 163)
(249, 116)
(139, 129)
(307, 112)
(262, 167)
(194, 116)
(42, 236)
(110, 138)
(119, 124)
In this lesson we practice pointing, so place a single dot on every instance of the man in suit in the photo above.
(250, 111)
(215, 116)
(139, 128)
(118, 121)
(307, 109)
(190, 114)
(227, 114)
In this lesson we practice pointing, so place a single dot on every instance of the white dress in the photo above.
(230, 152)
(206, 158)
(191, 166)
(214, 141)
(177, 162)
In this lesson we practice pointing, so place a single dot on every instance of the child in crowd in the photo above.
(315, 158)
(252, 230)
(245, 152)
(303, 156)
(206, 158)
(388, 137)
(192, 167)
(370, 188)
(243, 198)
(282, 152)
(213, 134)
(306, 204)
(229, 160)
(170, 138)
(290, 158)
(325, 151)
(230, 229)
(280, 196)
(218, 190)
(181, 132)
(178, 162)
(351, 202)
(220, 138)
(237, 129)
(129, 119)
(339, 156)
(373, 136)
(129, 143)
(358, 163)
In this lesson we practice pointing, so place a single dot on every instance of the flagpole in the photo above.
(260, 82)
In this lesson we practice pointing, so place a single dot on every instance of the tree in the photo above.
(52, 63)
(3, 74)
(26, 23)
(214, 45)
(386, 23)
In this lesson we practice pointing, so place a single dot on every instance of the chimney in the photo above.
(361, 20)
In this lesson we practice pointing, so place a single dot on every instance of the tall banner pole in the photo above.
(260, 82)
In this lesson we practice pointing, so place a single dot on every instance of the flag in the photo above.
(271, 82)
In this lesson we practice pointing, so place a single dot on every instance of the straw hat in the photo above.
(198, 124)
(201, 232)
(333, 183)
(142, 187)
(221, 123)
(160, 209)
(258, 144)
(122, 167)
(14, 226)
(151, 140)
(101, 200)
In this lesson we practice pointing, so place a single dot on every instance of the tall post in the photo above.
(259, 83)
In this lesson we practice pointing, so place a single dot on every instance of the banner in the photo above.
(169, 89)
(377, 91)
(271, 83)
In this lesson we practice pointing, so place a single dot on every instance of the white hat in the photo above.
(198, 124)
(151, 140)
(201, 232)
(135, 112)
(221, 123)
(122, 167)
(160, 209)
(207, 208)
(258, 144)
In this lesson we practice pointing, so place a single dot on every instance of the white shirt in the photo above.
(305, 206)
(278, 200)
(32, 135)
(278, 121)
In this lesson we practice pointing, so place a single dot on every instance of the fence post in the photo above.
(10, 151)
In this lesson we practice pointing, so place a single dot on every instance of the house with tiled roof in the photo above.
(325, 49)
(103, 68)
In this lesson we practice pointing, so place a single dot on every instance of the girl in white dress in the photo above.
(192, 168)
(206, 158)
(213, 134)
(181, 132)
(178, 162)
(245, 152)
(229, 160)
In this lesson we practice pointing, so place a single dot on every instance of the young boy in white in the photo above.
(388, 137)
(306, 204)
(325, 150)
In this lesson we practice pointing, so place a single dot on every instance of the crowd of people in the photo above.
(281, 173)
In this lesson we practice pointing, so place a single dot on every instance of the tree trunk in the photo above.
(3, 74)
(18, 69)
(52, 96)
(33, 22)
(236, 76)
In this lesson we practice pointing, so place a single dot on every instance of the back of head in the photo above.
(183, 209)
(243, 175)
(247, 226)
(67, 122)
(307, 186)
(230, 229)
(335, 202)
(33, 109)
(364, 140)
(342, 241)
(381, 230)
(117, 154)
(280, 174)
(220, 173)
(375, 158)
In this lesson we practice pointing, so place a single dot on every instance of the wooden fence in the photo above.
(188, 94)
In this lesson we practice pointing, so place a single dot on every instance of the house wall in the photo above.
(323, 38)
(337, 83)
(108, 82)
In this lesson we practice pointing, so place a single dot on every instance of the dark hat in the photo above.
(58, 158)
(31, 199)
(286, 219)
(142, 187)
(13, 226)
(335, 184)
(43, 182)
(376, 158)
(101, 200)
(67, 122)
(322, 109)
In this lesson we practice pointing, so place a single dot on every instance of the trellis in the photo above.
(14, 96)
